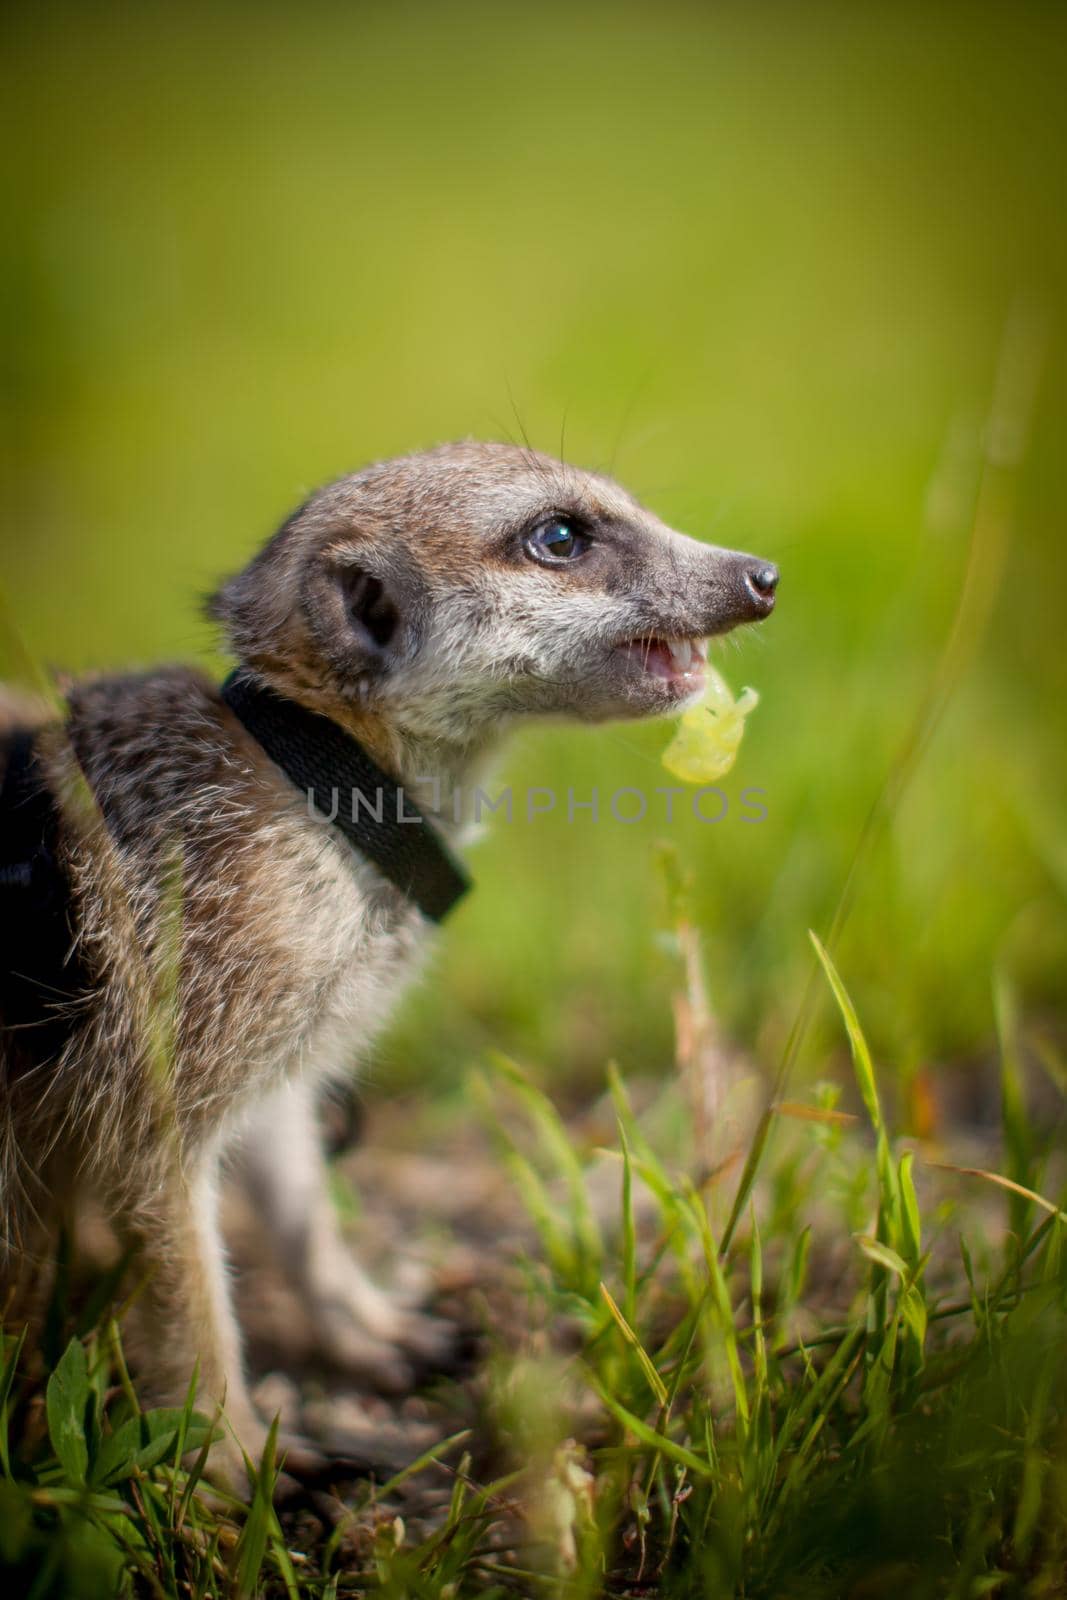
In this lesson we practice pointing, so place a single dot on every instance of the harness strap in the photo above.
(345, 785)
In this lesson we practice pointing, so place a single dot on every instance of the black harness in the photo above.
(41, 972)
(342, 783)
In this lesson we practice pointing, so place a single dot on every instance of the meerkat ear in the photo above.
(357, 610)
(372, 611)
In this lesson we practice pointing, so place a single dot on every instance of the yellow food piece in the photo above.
(708, 737)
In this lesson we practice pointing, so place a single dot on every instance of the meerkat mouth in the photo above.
(678, 661)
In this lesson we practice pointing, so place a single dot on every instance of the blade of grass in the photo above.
(655, 1382)
(557, 1144)
(629, 1235)
(649, 1436)
(1004, 1183)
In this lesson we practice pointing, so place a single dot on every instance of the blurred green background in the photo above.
(757, 259)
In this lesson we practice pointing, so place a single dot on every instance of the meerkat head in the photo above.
(446, 592)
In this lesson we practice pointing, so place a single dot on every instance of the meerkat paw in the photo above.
(299, 1465)
(226, 1469)
(430, 1342)
(364, 1331)
(348, 1348)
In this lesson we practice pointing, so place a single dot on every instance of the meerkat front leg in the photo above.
(357, 1325)
(185, 1312)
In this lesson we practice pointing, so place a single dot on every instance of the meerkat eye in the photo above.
(555, 540)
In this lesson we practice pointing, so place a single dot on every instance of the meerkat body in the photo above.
(231, 954)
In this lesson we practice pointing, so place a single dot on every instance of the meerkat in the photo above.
(193, 950)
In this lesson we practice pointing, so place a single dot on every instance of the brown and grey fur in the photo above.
(244, 956)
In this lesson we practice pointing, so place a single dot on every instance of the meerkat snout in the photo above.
(447, 591)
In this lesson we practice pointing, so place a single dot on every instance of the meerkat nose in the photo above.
(762, 581)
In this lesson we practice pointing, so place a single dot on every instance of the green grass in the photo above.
(762, 260)
(814, 1409)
